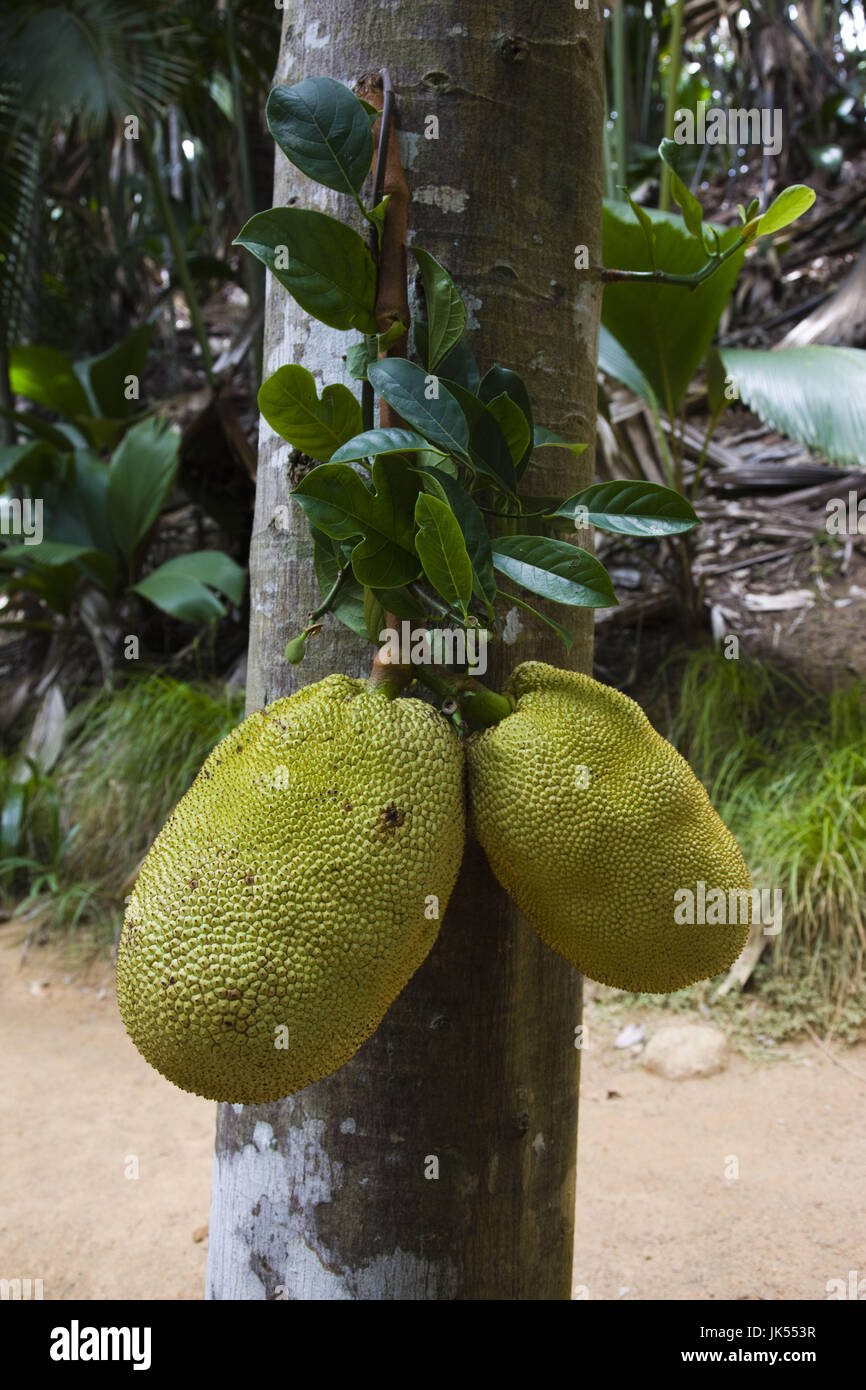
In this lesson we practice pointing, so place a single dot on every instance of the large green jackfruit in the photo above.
(599, 830)
(293, 891)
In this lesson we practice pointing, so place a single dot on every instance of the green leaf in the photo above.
(324, 130)
(514, 426)
(438, 418)
(459, 365)
(337, 502)
(211, 567)
(442, 551)
(693, 213)
(376, 216)
(360, 355)
(26, 464)
(372, 443)
(670, 153)
(543, 438)
(348, 607)
(397, 331)
(488, 447)
(813, 394)
(500, 379)
(141, 476)
(324, 264)
(446, 312)
(55, 555)
(107, 374)
(291, 407)
(471, 522)
(631, 509)
(180, 596)
(665, 329)
(402, 604)
(555, 570)
(374, 616)
(614, 361)
(47, 376)
(790, 204)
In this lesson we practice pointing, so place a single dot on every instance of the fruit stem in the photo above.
(478, 702)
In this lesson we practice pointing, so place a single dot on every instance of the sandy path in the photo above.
(656, 1214)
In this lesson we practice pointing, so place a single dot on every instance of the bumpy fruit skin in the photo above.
(288, 896)
(593, 858)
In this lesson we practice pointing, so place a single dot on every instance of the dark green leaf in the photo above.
(108, 373)
(212, 567)
(459, 365)
(321, 262)
(614, 361)
(180, 596)
(631, 509)
(140, 478)
(446, 312)
(488, 447)
(665, 329)
(47, 376)
(442, 551)
(500, 379)
(374, 616)
(409, 390)
(372, 443)
(348, 607)
(472, 525)
(337, 502)
(289, 403)
(360, 355)
(324, 130)
(554, 569)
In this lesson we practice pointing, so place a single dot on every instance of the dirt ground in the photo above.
(659, 1214)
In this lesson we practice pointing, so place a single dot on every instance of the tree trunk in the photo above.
(333, 1193)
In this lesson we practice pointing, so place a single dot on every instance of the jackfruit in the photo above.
(293, 892)
(600, 831)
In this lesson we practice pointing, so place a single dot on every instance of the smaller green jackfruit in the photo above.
(600, 831)
(293, 892)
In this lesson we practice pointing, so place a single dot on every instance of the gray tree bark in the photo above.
(330, 1194)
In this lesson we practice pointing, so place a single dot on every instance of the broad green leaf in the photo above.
(542, 617)
(402, 604)
(555, 570)
(665, 329)
(374, 616)
(543, 438)
(615, 362)
(348, 607)
(336, 501)
(693, 213)
(499, 379)
(459, 365)
(815, 394)
(423, 401)
(442, 551)
(324, 130)
(141, 476)
(472, 525)
(631, 509)
(360, 355)
(488, 447)
(372, 443)
(514, 426)
(790, 204)
(107, 374)
(26, 464)
(55, 555)
(212, 567)
(47, 376)
(64, 437)
(324, 264)
(446, 312)
(180, 596)
(289, 403)
(76, 504)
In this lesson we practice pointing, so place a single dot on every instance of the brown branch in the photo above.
(392, 299)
